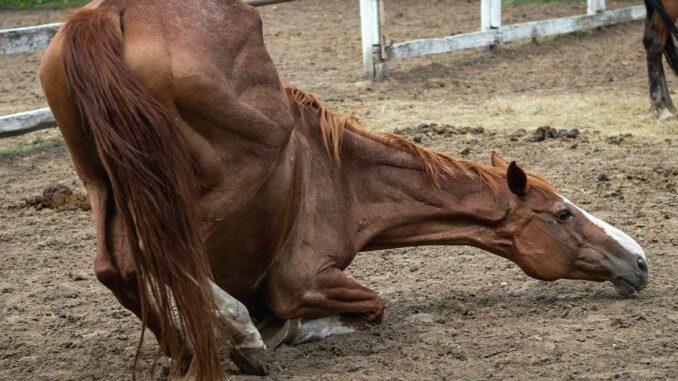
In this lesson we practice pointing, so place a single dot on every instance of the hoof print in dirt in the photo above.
(58, 197)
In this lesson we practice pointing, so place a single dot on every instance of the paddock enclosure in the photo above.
(453, 313)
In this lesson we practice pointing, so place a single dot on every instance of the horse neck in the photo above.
(396, 205)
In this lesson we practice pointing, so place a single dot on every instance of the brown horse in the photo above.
(660, 29)
(218, 193)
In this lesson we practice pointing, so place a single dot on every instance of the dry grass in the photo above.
(596, 110)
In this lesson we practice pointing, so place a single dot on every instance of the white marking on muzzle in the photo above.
(622, 238)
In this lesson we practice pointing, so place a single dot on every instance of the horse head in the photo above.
(555, 239)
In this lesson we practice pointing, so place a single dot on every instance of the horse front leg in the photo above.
(249, 350)
(326, 304)
(655, 41)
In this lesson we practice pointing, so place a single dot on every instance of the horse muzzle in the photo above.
(631, 278)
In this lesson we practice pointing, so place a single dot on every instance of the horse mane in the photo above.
(436, 165)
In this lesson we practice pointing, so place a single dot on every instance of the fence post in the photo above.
(490, 14)
(594, 6)
(370, 27)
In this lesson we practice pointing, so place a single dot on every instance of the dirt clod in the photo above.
(58, 197)
(614, 140)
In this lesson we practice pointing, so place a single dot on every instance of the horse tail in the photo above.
(670, 50)
(151, 174)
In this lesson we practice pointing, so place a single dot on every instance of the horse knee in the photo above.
(107, 275)
(654, 46)
(654, 37)
(115, 280)
(284, 306)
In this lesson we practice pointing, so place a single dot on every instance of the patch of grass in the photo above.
(25, 4)
(29, 146)
(353, 78)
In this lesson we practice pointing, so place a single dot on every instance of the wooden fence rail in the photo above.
(376, 54)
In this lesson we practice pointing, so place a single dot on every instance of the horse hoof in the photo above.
(664, 115)
(252, 361)
(274, 331)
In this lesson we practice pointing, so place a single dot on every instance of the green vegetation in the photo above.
(353, 78)
(29, 146)
(23, 4)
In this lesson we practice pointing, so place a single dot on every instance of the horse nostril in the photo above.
(642, 264)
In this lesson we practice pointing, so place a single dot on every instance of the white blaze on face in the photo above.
(619, 236)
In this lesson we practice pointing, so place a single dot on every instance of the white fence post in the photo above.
(490, 14)
(370, 26)
(594, 6)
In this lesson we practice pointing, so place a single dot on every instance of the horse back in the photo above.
(206, 61)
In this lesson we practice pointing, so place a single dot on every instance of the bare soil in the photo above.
(452, 313)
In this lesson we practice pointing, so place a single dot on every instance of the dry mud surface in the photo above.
(452, 313)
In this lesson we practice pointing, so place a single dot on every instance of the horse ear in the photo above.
(517, 179)
(498, 161)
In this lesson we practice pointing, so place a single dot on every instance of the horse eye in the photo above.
(564, 215)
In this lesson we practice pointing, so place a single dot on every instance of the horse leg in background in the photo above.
(249, 350)
(656, 40)
(328, 303)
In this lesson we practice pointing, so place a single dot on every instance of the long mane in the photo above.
(436, 165)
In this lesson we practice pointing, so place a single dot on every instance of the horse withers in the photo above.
(221, 197)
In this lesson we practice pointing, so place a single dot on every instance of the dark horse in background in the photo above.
(660, 29)
(221, 196)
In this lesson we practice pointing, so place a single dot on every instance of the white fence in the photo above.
(376, 53)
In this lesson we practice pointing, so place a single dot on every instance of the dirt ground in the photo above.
(452, 313)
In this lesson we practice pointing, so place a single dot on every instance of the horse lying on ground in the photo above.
(217, 192)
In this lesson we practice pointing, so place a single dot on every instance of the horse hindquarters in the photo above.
(120, 139)
(113, 266)
(657, 40)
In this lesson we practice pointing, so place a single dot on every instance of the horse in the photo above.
(222, 197)
(660, 29)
